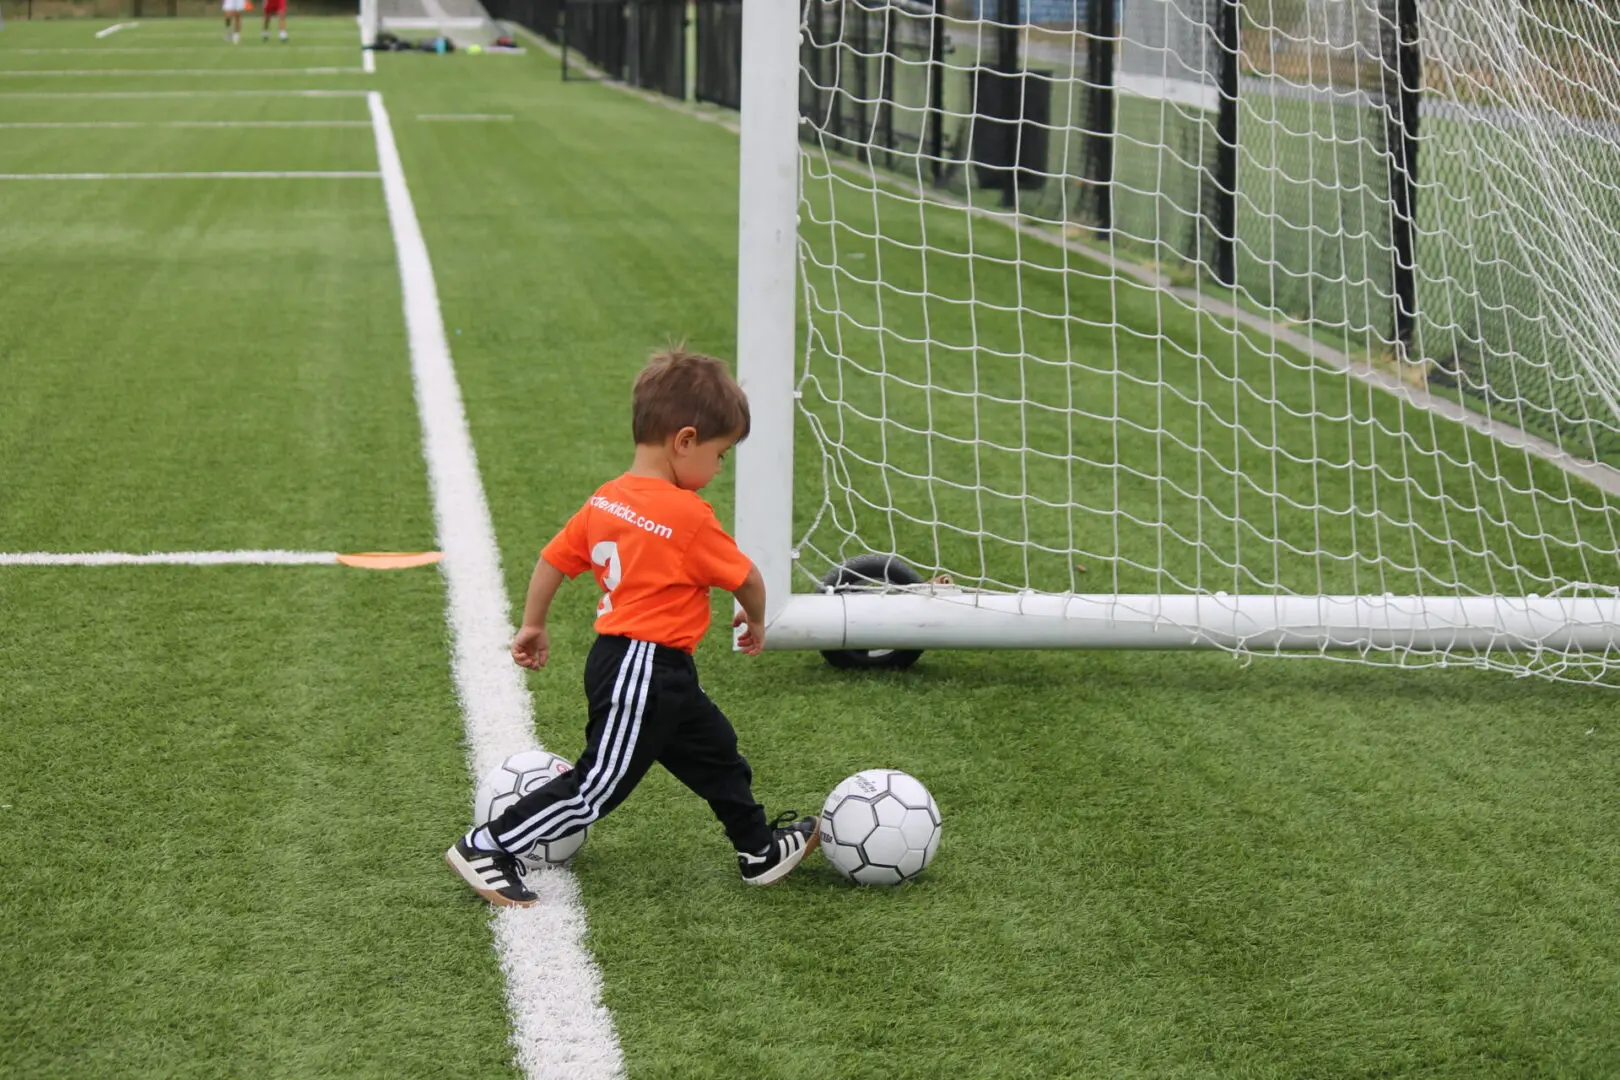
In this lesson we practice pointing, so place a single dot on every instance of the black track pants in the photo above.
(645, 706)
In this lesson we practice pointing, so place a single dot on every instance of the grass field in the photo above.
(224, 790)
(997, 408)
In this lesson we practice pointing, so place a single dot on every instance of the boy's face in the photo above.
(697, 463)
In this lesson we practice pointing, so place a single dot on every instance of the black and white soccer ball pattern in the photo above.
(511, 780)
(880, 827)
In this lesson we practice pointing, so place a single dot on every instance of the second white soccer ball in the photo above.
(880, 827)
(516, 777)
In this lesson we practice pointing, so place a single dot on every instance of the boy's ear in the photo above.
(686, 438)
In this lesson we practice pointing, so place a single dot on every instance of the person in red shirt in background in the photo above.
(275, 7)
(655, 549)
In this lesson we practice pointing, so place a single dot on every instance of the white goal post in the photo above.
(1157, 324)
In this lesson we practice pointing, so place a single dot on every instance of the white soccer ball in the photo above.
(880, 827)
(511, 780)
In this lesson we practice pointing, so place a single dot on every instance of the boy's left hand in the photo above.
(752, 640)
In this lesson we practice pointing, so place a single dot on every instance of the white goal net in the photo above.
(464, 22)
(1273, 325)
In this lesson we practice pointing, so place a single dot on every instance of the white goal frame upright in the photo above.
(934, 616)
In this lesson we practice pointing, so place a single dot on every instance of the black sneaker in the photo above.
(492, 874)
(796, 837)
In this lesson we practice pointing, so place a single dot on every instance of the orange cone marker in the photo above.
(390, 560)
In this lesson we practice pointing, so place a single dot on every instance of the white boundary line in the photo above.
(304, 38)
(368, 61)
(186, 123)
(561, 1030)
(69, 94)
(464, 116)
(112, 50)
(354, 175)
(170, 558)
(115, 27)
(177, 72)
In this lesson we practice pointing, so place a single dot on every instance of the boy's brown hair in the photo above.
(680, 389)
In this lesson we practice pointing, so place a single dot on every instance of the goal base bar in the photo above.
(964, 619)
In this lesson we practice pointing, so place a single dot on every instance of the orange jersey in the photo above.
(656, 550)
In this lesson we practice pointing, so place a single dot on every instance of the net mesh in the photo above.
(1139, 300)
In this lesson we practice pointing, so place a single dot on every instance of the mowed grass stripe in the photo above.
(219, 59)
(84, 73)
(174, 50)
(258, 105)
(184, 363)
(352, 175)
(206, 31)
(221, 124)
(139, 93)
(1153, 865)
(169, 150)
(220, 821)
(197, 364)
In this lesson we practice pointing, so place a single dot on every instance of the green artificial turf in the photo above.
(225, 791)
(224, 788)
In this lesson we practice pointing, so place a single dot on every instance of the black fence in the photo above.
(965, 98)
(641, 42)
(544, 17)
(1123, 119)
(656, 48)
(598, 31)
(719, 52)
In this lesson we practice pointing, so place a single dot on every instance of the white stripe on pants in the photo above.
(614, 751)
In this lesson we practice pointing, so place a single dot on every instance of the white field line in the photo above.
(110, 50)
(115, 27)
(170, 558)
(177, 72)
(186, 123)
(561, 1030)
(210, 39)
(132, 94)
(335, 175)
(368, 61)
(464, 116)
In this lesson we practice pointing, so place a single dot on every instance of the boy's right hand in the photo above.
(531, 648)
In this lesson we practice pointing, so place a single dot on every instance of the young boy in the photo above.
(655, 549)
